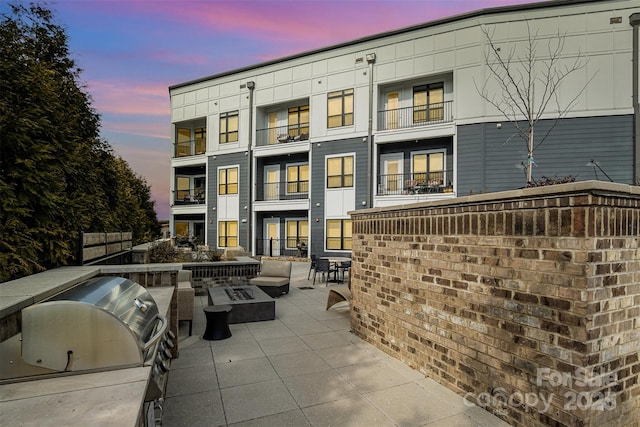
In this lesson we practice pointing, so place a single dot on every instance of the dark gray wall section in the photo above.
(488, 163)
(318, 153)
(241, 160)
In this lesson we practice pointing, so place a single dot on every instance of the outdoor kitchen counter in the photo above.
(109, 398)
(100, 399)
(20, 293)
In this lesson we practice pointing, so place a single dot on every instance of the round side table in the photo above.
(217, 322)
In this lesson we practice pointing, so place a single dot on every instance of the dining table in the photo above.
(335, 262)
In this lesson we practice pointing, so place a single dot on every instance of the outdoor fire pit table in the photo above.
(250, 303)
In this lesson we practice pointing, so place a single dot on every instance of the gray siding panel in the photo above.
(318, 184)
(488, 163)
(212, 193)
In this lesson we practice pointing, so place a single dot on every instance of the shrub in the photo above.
(160, 252)
(545, 180)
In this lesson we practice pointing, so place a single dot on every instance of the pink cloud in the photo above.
(122, 97)
(140, 128)
(306, 23)
(311, 24)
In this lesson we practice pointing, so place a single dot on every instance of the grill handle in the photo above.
(158, 334)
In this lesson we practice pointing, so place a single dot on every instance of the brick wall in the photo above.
(524, 302)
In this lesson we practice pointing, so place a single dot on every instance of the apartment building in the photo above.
(273, 157)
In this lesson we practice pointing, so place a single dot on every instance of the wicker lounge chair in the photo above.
(338, 294)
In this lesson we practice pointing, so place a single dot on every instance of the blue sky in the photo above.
(132, 51)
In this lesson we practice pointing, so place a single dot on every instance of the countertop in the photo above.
(110, 398)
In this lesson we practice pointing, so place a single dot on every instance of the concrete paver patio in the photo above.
(305, 368)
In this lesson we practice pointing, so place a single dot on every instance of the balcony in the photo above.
(282, 134)
(189, 197)
(190, 148)
(294, 190)
(410, 117)
(415, 183)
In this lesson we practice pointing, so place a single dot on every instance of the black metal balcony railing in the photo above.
(189, 197)
(282, 134)
(415, 183)
(282, 247)
(190, 148)
(422, 115)
(287, 190)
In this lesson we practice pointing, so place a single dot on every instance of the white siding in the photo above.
(456, 48)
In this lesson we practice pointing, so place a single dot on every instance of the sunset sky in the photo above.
(132, 51)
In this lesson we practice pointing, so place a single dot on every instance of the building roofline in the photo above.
(429, 24)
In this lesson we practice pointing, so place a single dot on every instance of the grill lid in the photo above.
(103, 322)
(125, 299)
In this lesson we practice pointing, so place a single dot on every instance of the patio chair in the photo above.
(323, 266)
(343, 267)
(274, 277)
(312, 266)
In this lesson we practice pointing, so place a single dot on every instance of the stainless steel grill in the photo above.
(103, 322)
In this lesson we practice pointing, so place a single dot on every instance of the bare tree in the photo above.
(528, 83)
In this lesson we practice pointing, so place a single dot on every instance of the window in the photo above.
(299, 122)
(183, 142)
(190, 141)
(340, 172)
(200, 139)
(182, 189)
(428, 103)
(182, 229)
(190, 189)
(228, 181)
(228, 127)
(189, 231)
(340, 108)
(428, 168)
(298, 178)
(297, 233)
(339, 234)
(227, 234)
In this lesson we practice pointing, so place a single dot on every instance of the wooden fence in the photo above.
(103, 247)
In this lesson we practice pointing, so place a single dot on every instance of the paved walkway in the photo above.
(303, 369)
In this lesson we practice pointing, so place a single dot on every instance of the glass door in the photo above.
(272, 237)
(392, 173)
(271, 182)
(392, 108)
(273, 128)
(198, 233)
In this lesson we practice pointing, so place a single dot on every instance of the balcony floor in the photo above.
(303, 369)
